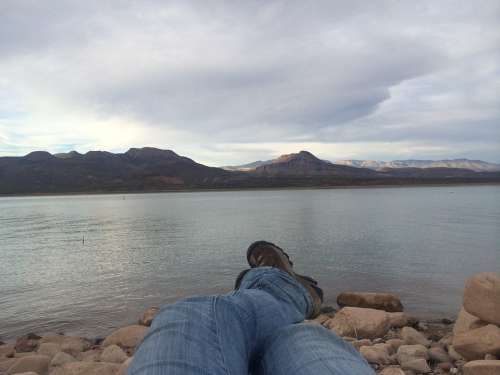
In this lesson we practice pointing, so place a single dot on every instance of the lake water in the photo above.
(87, 264)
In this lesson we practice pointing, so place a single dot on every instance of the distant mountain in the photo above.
(152, 169)
(137, 169)
(247, 167)
(474, 165)
(306, 164)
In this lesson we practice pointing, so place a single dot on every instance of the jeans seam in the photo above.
(218, 333)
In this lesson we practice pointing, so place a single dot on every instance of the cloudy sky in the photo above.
(227, 82)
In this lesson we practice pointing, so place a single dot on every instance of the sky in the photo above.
(230, 82)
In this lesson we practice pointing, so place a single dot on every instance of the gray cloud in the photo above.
(252, 72)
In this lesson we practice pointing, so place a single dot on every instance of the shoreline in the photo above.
(237, 189)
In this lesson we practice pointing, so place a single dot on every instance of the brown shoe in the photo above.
(263, 253)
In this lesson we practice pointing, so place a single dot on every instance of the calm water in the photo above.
(148, 249)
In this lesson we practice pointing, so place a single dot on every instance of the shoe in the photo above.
(263, 253)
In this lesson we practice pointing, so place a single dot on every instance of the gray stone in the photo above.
(411, 336)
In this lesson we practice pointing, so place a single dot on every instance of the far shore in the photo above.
(277, 188)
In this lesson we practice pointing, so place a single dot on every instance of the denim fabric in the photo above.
(254, 329)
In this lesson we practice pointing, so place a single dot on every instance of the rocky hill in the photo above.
(474, 165)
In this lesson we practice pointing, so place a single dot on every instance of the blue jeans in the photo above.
(256, 329)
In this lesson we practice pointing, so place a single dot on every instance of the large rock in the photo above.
(7, 351)
(438, 355)
(92, 355)
(482, 297)
(407, 353)
(375, 354)
(474, 344)
(49, 349)
(398, 319)
(482, 367)
(411, 336)
(27, 343)
(127, 337)
(392, 371)
(360, 322)
(147, 317)
(380, 301)
(61, 358)
(113, 354)
(35, 363)
(465, 322)
(86, 368)
(418, 365)
(74, 345)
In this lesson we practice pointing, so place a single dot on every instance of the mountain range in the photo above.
(474, 165)
(152, 169)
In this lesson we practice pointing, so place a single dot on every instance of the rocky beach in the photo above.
(393, 341)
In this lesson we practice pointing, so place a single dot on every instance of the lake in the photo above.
(89, 263)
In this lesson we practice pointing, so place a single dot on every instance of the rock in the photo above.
(328, 310)
(27, 343)
(395, 343)
(482, 297)
(360, 323)
(490, 357)
(482, 367)
(27, 373)
(128, 337)
(419, 365)
(380, 301)
(124, 367)
(378, 355)
(320, 319)
(407, 353)
(474, 344)
(55, 339)
(49, 349)
(113, 354)
(398, 319)
(465, 322)
(86, 368)
(411, 336)
(147, 316)
(92, 355)
(392, 371)
(445, 366)
(74, 345)
(36, 363)
(7, 351)
(5, 363)
(61, 358)
(438, 355)
(453, 354)
(359, 343)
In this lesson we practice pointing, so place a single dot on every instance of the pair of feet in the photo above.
(263, 253)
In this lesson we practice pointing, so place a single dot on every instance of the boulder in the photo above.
(128, 337)
(359, 343)
(474, 344)
(438, 355)
(55, 339)
(395, 343)
(453, 354)
(360, 323)
(482, 297)
(27, 373)
(124, 366)
(147, 316)
(465, 322)
(113, 354)
(49, 349)
(411, 336)
(380, 301)
(7, 351)
(373, 354)
(398, 319)
(74, 345)
(61, 358)
(490, 357)
(482, 367)
(92, 355)
(407, 353)
(86, 368)
(419, 365)
(392, 371)
(5, 363)
(27, 343)
(36, 363)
